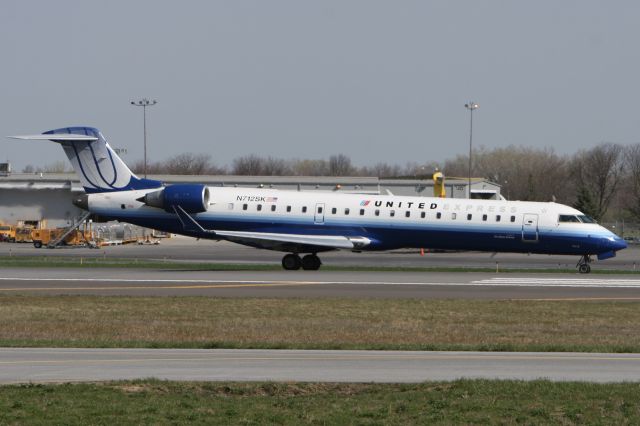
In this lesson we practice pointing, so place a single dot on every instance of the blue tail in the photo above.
(98, 166)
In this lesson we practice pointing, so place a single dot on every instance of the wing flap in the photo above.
(274, 240)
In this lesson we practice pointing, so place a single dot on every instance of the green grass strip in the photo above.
(108, 262)
(152, 402)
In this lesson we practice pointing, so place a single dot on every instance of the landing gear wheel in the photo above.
(291, 262)
(583, 264)
(311, 262)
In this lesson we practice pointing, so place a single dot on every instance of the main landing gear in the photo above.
(583, 265)
(293, 262)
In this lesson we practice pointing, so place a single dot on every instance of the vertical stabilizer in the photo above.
(100, 169)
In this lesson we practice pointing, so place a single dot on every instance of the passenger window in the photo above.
(513, 218)
(377, 213)
(319, 209)
(423, 215)
(304, 209)
(346, 212)
(438, 215)
(407, 213)
(484, 217)
(469, 216)
(498, 218)
(244, 206)
(361, 212)
(334, 210)
(453, 216)
(273, 208)
(392, 213)
(259, 207)
(230, 206)
(288, 209)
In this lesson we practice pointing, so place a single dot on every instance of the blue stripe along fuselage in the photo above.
(385, 236)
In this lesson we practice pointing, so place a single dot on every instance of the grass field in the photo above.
(205, 322)
(461, 402)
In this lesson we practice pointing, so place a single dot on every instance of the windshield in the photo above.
(572, 218)
(586, 219)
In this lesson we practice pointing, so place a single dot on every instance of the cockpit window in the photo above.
(587, 219)
(568, 218)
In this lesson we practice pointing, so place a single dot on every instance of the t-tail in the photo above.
(96, 163)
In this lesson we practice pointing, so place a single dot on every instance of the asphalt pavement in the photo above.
(38, 365)
(417, 285)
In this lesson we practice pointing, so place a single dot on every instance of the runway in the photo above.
(167, 282)
(18, 365)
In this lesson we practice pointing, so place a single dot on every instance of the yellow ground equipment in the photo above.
(7, 233)
(23, 235)
(438, 185)
(42, 237)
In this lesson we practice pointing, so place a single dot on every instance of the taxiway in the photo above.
(37, 365)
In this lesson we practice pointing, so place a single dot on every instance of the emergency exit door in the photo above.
(319, 214)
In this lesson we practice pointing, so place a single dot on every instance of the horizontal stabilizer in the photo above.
(57, 137)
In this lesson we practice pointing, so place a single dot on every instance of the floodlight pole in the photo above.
(144, 103)
(470, 106)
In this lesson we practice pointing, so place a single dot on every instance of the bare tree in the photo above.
(524, 173)
(276, 167)
(310, 167)
(340, 165)
(188, 164)
(248, 165)
(597, 174)
(632, 163)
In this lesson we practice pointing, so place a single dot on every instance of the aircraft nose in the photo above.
(619, 244)
(614, 243)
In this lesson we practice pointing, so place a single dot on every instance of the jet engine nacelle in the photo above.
(191, 197)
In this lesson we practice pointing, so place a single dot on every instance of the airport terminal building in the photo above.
(43, 200)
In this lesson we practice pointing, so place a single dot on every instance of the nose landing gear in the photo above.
(293, 262)
(583, 265)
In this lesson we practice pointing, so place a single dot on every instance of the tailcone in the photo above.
(81, 201)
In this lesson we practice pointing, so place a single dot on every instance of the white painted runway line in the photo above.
(559, 282)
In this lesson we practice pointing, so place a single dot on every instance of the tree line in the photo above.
(596, 181)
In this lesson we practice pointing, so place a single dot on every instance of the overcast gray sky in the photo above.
(375, 80)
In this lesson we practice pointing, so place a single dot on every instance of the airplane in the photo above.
(308, 223)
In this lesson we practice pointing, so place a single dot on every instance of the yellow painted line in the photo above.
(177, 287)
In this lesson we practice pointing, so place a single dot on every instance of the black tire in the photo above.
(584, 268)
(291, 262)
(37, 244)
(311, 262)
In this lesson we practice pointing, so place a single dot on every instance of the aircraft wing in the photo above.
(294, 242)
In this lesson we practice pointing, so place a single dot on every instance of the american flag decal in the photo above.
(364, 203)
(271, 199)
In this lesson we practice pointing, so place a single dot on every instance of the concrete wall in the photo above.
(54, 205)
